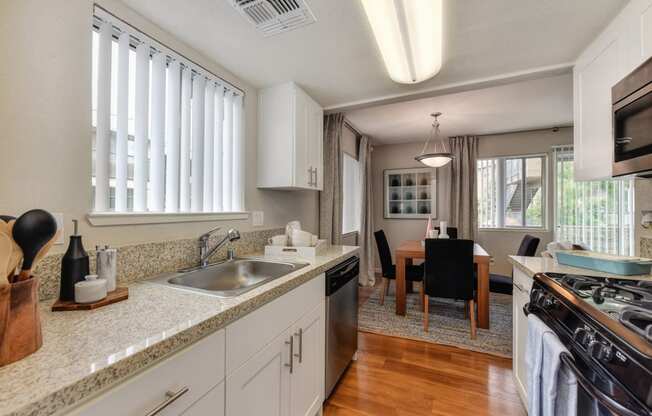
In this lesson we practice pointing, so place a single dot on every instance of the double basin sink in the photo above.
(229, 278)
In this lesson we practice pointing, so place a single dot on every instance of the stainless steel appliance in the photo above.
(632, 122)
(606, 324)
(341, 319)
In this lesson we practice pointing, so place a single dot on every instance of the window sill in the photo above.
(102, 219)
(516, 229)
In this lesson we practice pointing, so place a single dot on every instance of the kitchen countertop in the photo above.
(85, 352)
(534, 265)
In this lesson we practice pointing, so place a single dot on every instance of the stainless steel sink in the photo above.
(230, 278)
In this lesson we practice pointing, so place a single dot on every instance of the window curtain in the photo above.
(366, 236)
(330, 198)
(463, 190)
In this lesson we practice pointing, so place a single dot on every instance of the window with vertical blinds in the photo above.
(599, 214)
(168, 134)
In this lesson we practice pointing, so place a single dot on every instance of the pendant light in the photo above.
(441, 156)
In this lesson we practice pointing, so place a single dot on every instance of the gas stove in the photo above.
(606, 324)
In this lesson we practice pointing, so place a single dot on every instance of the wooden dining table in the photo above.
(412, 249)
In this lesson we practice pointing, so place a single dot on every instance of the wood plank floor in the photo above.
(400, 377)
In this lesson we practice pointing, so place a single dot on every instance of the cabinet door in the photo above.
(596, 72)
(302, 162)
(519, 299)
(307, 380)
(212, 404)
(261, 386)
(317, 145)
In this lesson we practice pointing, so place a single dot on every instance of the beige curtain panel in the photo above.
(463, 198)
(330, 199)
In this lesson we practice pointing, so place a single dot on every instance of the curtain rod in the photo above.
(169, 49)
(347, 124)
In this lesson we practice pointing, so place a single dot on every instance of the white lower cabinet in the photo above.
(520, 297)
(212, 404)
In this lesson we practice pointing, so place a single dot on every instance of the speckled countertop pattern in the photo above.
(86, 351)
(534, 265)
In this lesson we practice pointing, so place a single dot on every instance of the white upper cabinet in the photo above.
(623, 45)
(290, 139)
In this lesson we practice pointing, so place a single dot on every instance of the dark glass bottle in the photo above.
(74, 266)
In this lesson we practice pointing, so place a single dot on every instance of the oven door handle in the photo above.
(593, 391)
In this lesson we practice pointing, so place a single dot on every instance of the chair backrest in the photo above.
(449, 268)
(528, 246)
(384, 252)
(451, 231)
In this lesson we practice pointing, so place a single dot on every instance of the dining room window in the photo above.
(168, 135)
(351, 194)
(512, 192)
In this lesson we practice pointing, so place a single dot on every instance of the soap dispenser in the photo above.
(74, 266)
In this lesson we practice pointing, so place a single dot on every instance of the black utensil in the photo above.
(32, 231)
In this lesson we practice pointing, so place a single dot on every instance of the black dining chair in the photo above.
(499, 283)
(449, 274)
(451, 231)
(412, 273)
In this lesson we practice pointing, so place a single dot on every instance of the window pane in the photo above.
(513, 194)
(350, 194)
(487, 174)
(534, 192)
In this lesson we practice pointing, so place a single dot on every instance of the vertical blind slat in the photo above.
(184, 148)
(122, 125)
(227, 152)
(217, 149)
(209, 140)
(238, 171)
(172, 137)
(157, 140)
(103, 128)
(197, 145)
(141, 127)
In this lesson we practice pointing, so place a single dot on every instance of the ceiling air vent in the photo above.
(272, 17)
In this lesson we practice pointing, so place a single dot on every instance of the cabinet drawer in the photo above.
(522, 281)
(212, 404)
(199, 368)
(253, 332)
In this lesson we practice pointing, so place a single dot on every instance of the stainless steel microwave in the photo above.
(632, 122)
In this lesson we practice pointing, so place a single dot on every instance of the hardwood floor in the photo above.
(400, 377)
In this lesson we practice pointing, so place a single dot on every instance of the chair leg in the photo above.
(466, 309)
(473, 323)
(384, 290)
(425, 313)
(422, 292)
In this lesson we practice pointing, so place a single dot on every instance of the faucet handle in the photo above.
(208, 233)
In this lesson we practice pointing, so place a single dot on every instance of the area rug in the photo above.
(447, 323)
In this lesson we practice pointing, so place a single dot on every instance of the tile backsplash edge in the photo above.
(646, 247)
(141, 261)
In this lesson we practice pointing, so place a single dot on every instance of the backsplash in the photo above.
(646, 247)
(142, 261)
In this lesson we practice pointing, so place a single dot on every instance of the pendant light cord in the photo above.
(434, 131)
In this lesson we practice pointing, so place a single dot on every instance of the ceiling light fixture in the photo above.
(409, 36)
(440, 156)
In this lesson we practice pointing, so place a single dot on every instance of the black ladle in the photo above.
(32, 231)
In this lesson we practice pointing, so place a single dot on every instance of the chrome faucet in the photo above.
(205, 252)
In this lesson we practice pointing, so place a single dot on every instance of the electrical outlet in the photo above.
(257, 218)
(59, 218)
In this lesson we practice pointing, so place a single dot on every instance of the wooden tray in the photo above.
(119, 294)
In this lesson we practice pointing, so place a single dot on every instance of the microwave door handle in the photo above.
(592, 390)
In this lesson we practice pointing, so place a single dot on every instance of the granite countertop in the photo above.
(534, 265)
(84, 352)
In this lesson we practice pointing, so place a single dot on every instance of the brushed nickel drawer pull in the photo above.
(171, 398)
(291, 343)
(300, 354)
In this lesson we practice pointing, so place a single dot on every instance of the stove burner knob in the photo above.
(583, 336)
(600, 350)
(548, 302)
(535, 295)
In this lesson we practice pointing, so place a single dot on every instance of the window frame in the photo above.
(545, 169)
(107, 218)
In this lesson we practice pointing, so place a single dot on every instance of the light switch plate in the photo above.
(58, 216)
(257, 218)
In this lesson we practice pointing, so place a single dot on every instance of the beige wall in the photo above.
(499, 243)
(45, 103)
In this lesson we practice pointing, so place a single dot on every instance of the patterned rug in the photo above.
(447, 323)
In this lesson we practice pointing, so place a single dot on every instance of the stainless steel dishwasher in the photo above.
(341, 319)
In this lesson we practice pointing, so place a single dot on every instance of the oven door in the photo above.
(598, 394)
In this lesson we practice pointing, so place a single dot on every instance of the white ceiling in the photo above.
(336, 59)
(531, 104)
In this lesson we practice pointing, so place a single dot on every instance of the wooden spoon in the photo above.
(33, 230)
(16, 254)
(6, 218)
(5, 254)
